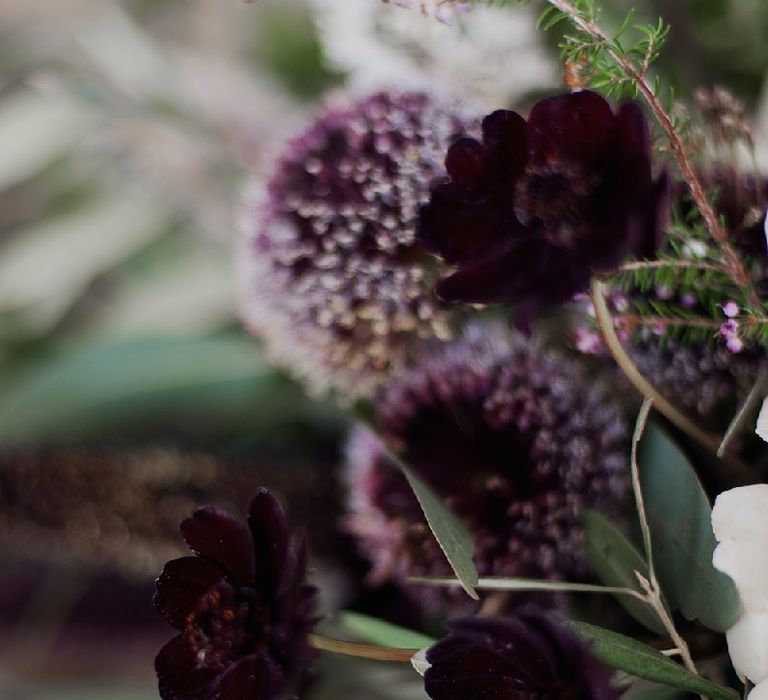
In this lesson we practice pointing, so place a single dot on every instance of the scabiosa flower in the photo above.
(332, 277)
(526, 657)
(537, 207)
(241, 605)
(513, 437)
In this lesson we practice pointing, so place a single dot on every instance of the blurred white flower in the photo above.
(493, 55)
(762, 421)
(740, 524)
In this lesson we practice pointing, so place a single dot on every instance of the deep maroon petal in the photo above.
(633, 144)
(255, 677)
(271, 539)
(180, 585)
(578, 128)
(216, 535)
(178, 674)
(465, 160)
(524, 657)
(504, 137)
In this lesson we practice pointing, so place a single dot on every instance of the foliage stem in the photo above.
(363, 651)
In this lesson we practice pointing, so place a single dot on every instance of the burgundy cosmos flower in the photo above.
(526, 657)
(241, 606)
(537, 207)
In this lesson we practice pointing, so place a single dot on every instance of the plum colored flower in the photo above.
(537, 207)
(515, 438)
(333, 280)
(241, 605)
(525, 657)
(740, 523)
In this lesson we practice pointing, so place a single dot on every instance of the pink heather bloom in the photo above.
(730, 309)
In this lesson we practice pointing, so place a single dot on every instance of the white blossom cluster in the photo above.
(492, 56)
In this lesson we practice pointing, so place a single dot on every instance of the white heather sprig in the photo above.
(443, 10)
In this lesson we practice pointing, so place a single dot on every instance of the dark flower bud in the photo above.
(525, 657)
(241, 605)
(537, 207)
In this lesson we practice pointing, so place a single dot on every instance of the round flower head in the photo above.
(537, 207)
(241, 606)
(333, 279)
(525, 657)
(514, 439)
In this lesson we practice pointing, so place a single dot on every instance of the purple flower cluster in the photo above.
(513, 437)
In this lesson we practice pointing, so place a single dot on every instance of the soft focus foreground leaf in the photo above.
(451, 534)
(382, 633)
(115, 386)
(633, 657)
(615, 560)
(679, 515)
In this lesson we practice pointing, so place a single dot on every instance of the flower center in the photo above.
(216, 628)
(553, 196)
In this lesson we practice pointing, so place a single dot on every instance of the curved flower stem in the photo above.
(731, 259)
(362, 651)
(605, 321)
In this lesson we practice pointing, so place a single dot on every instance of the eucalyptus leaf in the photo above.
(638, 659)
(615, 560)
(383, 633)
(206, 384)
(679, 516)
(451, 534)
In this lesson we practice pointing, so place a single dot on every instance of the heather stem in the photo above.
(731, 258)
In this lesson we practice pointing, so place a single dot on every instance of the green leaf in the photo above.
(451, 534)
(615, 560)
(638, 659)
(205, 384)
(382, 633)
(679, 516)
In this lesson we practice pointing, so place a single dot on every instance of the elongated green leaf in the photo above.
(382, 633)
(502, 583)
(679, 515)
(638, 659)
(118, 386)
(615, 560)
(451, 534)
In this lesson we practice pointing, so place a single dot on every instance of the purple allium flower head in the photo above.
(241, 605)
(525, 657)
(514, 438)
(333, 279)
(537, 207)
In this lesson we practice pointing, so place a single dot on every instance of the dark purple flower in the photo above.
(526, 657)
(241, 605)
(537, 207)
(333, 279)
(516, 439)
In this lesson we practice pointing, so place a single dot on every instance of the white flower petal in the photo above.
(746, 562)
(748, 646)
(742, 513)
(762, 419)
(759, 692)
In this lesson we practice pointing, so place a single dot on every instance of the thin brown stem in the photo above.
(677, 264)
(731, 259)
(632, 320)
(738, 469)
(362, 651)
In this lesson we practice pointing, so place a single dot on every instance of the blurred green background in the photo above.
(127, 133)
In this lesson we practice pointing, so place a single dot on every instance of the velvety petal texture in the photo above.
(242, 608)
(530, 212)
(525, 657)
(740, 524)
